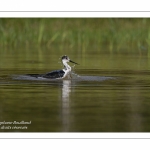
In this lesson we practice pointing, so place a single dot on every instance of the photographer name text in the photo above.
(14, 124)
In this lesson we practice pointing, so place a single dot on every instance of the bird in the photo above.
(58, 74)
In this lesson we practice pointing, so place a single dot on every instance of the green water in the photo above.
(120, 104)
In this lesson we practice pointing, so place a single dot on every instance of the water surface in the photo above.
(110, 93)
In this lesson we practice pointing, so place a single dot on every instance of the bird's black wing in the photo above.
(54, 74)
(51, 75)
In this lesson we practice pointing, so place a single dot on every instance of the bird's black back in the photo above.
(51, 75)
(54, 74)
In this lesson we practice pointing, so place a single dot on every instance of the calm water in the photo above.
(112, 94)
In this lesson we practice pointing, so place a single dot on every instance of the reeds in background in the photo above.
(77, 33)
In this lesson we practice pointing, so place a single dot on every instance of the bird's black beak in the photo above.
(73, 62)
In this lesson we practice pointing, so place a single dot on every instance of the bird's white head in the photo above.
(66, 59)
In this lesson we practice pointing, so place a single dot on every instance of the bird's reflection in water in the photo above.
(66, 89)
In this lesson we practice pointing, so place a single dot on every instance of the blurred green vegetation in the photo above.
(81, 33)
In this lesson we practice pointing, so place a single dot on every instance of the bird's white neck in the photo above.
(67, 66)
